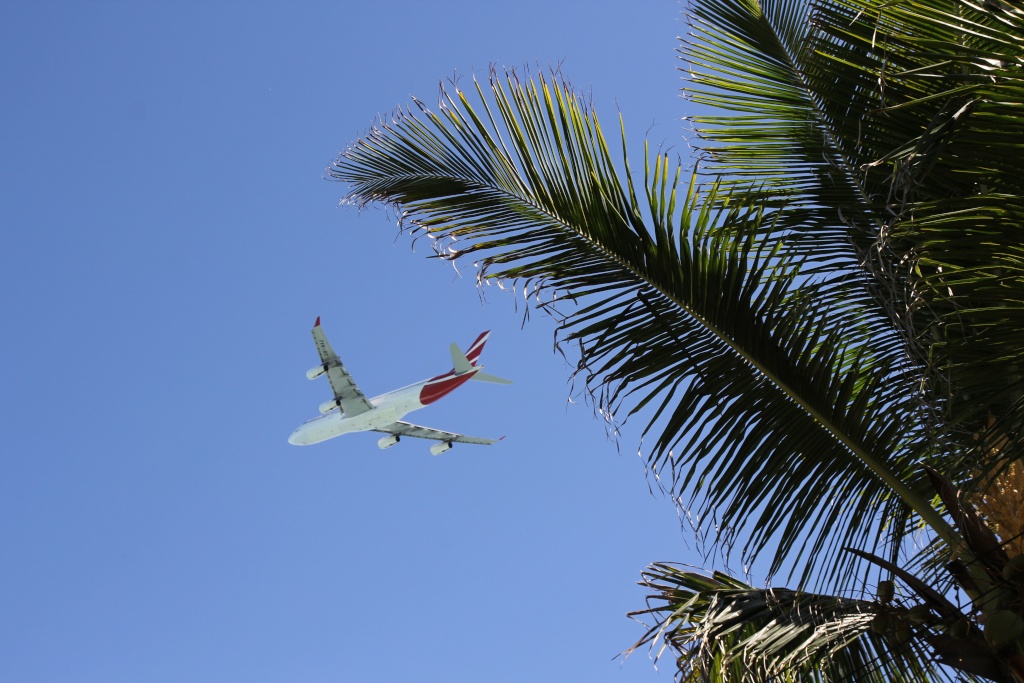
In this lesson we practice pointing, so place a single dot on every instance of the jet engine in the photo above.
(328, 406)
(313, 373)
(439, 448)
(388, 441)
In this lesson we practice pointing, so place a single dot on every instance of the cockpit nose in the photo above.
(296, 438)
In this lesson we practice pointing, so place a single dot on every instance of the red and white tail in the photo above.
(468, 361)
(477, 347)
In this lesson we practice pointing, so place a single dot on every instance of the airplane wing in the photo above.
(350, 398)
(406, 429)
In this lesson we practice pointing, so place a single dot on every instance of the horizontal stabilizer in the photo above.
(462, 364)
(484, 377)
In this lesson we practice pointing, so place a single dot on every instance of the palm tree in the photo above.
(822, 323)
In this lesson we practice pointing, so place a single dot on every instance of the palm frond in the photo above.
(773, 394)
(722, 629)
(892, 132)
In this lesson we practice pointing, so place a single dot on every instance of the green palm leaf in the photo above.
(722, 629)
(892, 131)
(772, 392)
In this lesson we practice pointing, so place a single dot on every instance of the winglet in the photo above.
(317, 323)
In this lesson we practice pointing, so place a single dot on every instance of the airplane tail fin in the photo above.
(464, 362)
(460, 363)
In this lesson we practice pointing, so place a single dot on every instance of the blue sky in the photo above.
(169, 240)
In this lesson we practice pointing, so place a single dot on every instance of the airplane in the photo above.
(351, 411)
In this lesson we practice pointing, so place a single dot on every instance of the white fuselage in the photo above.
(387, 408)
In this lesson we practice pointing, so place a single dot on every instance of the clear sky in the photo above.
(168, 241)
